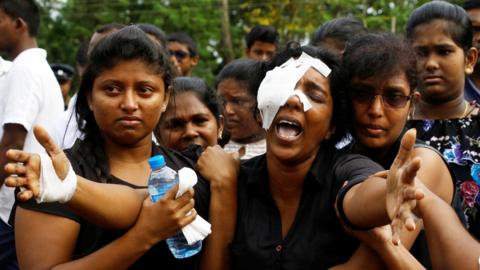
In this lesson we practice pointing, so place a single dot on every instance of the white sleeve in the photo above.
(25, 97)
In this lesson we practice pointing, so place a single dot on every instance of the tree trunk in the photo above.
(227, 36)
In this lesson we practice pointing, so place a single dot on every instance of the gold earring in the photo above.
(469, 70)
(220, 135)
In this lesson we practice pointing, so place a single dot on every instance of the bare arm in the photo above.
(47, 241)
(449, 244)
(221, 169)
(13, 138)
(106, 205)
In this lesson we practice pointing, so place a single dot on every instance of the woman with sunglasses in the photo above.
(380, 72)
(441, 36)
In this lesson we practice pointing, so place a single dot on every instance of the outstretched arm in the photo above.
(449, 244)
(107, 205)
(376, 202)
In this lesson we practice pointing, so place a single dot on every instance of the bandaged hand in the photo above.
(47, 178)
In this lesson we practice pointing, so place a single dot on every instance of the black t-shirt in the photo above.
(92, 237)
(316, 239)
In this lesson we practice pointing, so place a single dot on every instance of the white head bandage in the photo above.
(279, 85)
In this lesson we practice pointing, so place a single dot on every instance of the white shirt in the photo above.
(251, 149)
(66, 132)
(30, 96)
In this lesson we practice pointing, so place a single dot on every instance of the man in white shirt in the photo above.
(30, 95)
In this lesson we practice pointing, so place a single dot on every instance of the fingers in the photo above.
(15, 181)
(396, 229)
(185, 220)
(17, 155)
(170, 195)
(406, 146)
(410, 171)
(25, 195)
(381, 174)
(184, 199)
(15, 168)
(46, 141)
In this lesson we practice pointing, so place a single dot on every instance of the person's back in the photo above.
(30, 95)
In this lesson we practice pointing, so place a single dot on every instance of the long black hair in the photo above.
(129, 43)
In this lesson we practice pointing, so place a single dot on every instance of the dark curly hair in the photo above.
(339, 116)
(129, 43)
(379, 55)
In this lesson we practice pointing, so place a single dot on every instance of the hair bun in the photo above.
(294, 49)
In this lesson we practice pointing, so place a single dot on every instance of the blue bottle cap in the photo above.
(156, 161)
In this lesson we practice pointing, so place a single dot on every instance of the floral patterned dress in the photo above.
(459, 142)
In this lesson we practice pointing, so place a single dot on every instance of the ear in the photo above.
(165, 101)
(194, 60)
(415, 99)
(221, 125)
(470, 60)
(89, 100)
(21, 25)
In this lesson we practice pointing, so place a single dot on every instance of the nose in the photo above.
(431, 63)
(129, 102)
(376, 107)
(264, 56)
(190, 131)
(228, 108)
(294, 102)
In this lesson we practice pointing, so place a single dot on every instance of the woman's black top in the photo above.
(92, 237)
(420, 247)
(316, 239)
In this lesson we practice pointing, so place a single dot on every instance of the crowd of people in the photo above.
(360, 150)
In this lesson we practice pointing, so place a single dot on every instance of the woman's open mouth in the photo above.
(288, 130)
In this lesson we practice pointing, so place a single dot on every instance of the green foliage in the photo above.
(67, 23)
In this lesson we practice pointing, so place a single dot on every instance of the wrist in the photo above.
(223, 184)
(142, 238)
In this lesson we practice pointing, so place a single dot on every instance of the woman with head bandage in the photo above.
(286, 198)
(108, 222)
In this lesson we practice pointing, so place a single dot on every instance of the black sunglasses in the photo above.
(180, 55)
(392, 100)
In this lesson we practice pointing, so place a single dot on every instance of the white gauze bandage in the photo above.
(279, 85)
(199, 228)
(52, 188)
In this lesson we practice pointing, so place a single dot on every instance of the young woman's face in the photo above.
(127, 101)
(380, 109)
(188, 121)
(442, 64)
(295, 135)
(239, 109)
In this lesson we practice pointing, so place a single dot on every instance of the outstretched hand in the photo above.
(25, 168)
(402, 192)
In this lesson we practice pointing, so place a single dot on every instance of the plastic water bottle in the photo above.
(161, 180)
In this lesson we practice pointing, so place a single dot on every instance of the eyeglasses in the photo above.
(180, 55)
(392, 100)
